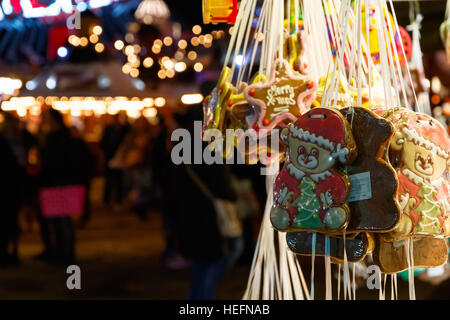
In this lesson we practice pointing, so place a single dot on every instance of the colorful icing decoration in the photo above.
(421, 147)
(309, 192)
(283, 98)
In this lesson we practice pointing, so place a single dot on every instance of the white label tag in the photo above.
(361, 187)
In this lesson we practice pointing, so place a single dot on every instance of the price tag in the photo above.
(361, 187)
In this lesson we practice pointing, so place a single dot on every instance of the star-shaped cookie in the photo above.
(285, 97)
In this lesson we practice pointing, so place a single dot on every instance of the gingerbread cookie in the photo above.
(310, 193)
(356, 248)
(373, 202)
(421, 149)
(391, 257)
(286, 96)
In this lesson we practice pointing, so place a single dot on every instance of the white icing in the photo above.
(274, 93)
(411, 135)
(311, 137)
(337, 152)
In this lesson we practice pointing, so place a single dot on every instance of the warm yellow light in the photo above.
(132, 58)
(230, 31)
(129, 50)
(99, 47)
(118, 45)
(193, 98)
(75, 112)
(21, 111)
(136, 48)
(74, 40)
(93, 38)
(179, 55)
(158, 43)
(168, 41)
(195, 41)
(126, 68)
(135, 64)
(208, 38)
(201, 39)
(148, 102)
(97, 30)
(168, 64)
(161, 74)
(182, 44)
(170, 73)
(192, 55)
(133, 113)
(197, 29)
(156, 49)
(148, 62)
(198, 67)
(134, 73)
(160, 102)
(84, 41)
(180, 66)
(35, 110)
(150, 113)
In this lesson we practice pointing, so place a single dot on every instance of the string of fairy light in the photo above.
(94, 39)
(168, 66)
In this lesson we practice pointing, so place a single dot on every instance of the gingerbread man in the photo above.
(309, 192)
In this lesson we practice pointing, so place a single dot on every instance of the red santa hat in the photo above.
(427, 132)
(326, 128)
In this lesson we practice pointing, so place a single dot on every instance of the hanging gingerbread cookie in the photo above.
(421, 147)
(392, 257)
(373, 202)
(286, 96)
(310, 193)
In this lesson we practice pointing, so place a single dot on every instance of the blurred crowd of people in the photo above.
(134, 160)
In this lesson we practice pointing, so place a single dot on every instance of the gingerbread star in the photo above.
(285, 97)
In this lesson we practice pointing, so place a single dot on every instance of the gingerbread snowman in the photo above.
(310, 193)
(421, 147)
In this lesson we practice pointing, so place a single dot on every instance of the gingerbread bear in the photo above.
(310, 193)
(373, 202)
(421, 148)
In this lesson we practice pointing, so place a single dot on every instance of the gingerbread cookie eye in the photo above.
(314, 152)
(301, 151)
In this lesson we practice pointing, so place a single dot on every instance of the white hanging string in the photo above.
(254, 42)
(339, 282)
(382, 34)
(328, 283)
(403, 51)
(313, 259)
